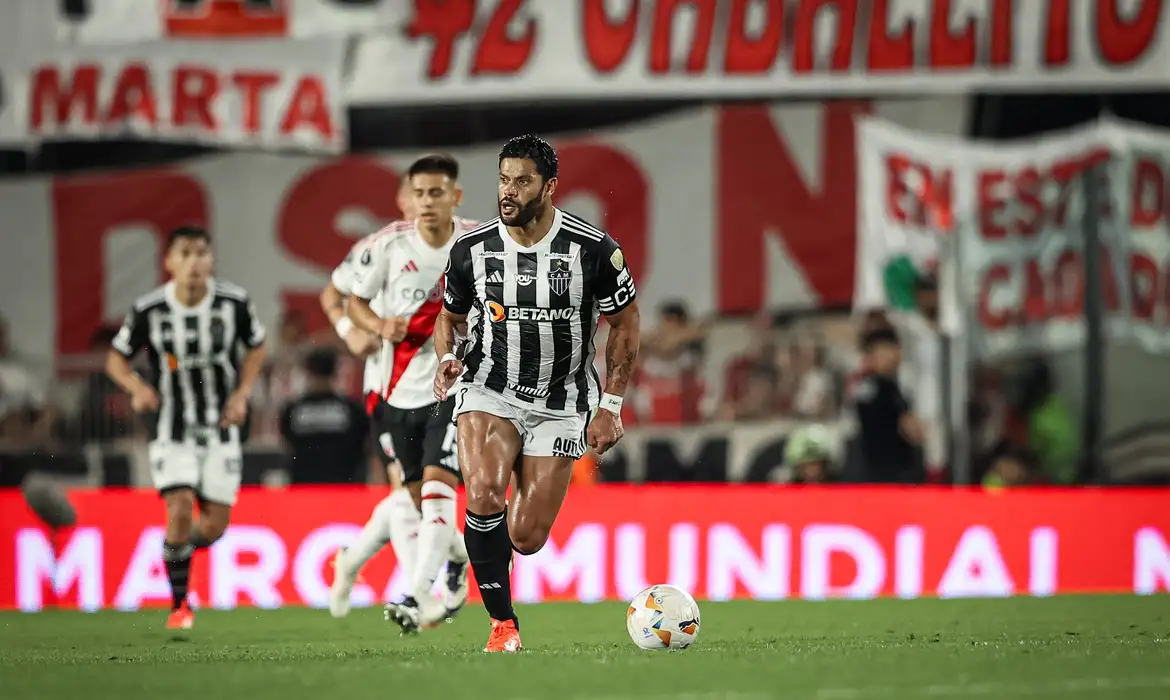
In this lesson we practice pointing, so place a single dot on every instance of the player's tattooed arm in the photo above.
(621, 348)
(363, 315)
(450, 327)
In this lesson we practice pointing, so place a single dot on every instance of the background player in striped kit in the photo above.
(533, 284)
(405, 267)
(206, 348)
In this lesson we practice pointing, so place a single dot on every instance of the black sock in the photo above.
(198, 540)
(177, 558)
(489, 549)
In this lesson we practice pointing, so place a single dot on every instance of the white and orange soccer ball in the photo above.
(663, 617)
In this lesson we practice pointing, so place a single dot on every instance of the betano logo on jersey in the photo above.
(174, 364)
(499, 312)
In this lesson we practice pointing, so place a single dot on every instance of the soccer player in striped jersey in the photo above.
(532, 286)
(205, 348)
(405, 267)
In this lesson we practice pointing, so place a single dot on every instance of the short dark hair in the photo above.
(535, 149)
(879, 336)
(190, 233)
(321, 363)
(441, 163)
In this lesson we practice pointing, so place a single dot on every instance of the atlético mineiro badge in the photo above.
(560, 277)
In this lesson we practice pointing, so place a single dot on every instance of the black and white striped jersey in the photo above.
(532, 312)
(194, 353)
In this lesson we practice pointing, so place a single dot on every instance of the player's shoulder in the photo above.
(464, 225)
(153, 299)
(475, 235)
(388, 235)
(230, 291)
(585, 234)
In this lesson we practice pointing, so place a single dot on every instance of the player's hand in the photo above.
(361, 343)
(393, 329)
(604, 430)
(446, 376)
(144, 400)
(235, 410)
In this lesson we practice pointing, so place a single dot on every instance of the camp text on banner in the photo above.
(278, 94)
(464, 50)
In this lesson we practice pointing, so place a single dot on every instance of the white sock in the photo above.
(457, 552)
(404, 521)
(374, 535)
(434, 534)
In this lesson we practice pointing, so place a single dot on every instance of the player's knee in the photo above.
(529, 540)
(486, 494)
(180, 506)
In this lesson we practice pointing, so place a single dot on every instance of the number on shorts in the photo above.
(450, 448)
(232, 465)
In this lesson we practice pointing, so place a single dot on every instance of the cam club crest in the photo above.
(560, 276)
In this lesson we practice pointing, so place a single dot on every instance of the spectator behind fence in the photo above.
(752, 386)
(808, 455)
(326, 433)
(283, 378)
(672, 357)
(890, 434)
(26, 416)
(106, 413)
(814, 398)
(1053, 438)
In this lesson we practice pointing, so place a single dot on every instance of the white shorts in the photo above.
(213, 471)
(543, 434)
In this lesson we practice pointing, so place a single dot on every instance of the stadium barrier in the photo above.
(721, 542)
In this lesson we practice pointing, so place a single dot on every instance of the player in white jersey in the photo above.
(396, 518)
(405, 266)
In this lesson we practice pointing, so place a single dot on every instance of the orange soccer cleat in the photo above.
(181, 618)
(505, 637)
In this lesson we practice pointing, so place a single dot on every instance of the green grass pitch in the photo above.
(1079, 648)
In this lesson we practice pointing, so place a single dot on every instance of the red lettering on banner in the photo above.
(85, 210)
(608, 42)
(887, 52)
(745, 54)
(252, 87)
(947, 49)
(1042, 290)
(941, 37)
(804, 42)
(309, 107)
(56, 98)
(195, 91)
(1016, 204)
(498, 53)
(761, 189)
(917, 195)
(307, 223)
(661, 35)
(222, 19)
(443, 22)
(1150, 205)
(1058, 34)
(1123, 41)
(49, 92)
(619, 185)
(133, 97)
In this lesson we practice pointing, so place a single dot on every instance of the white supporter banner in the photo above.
(264, 94)
(118, 21)
(466, 51)
(1017, 213)
(77, 250)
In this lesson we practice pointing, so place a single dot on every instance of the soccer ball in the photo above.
(663, 617)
